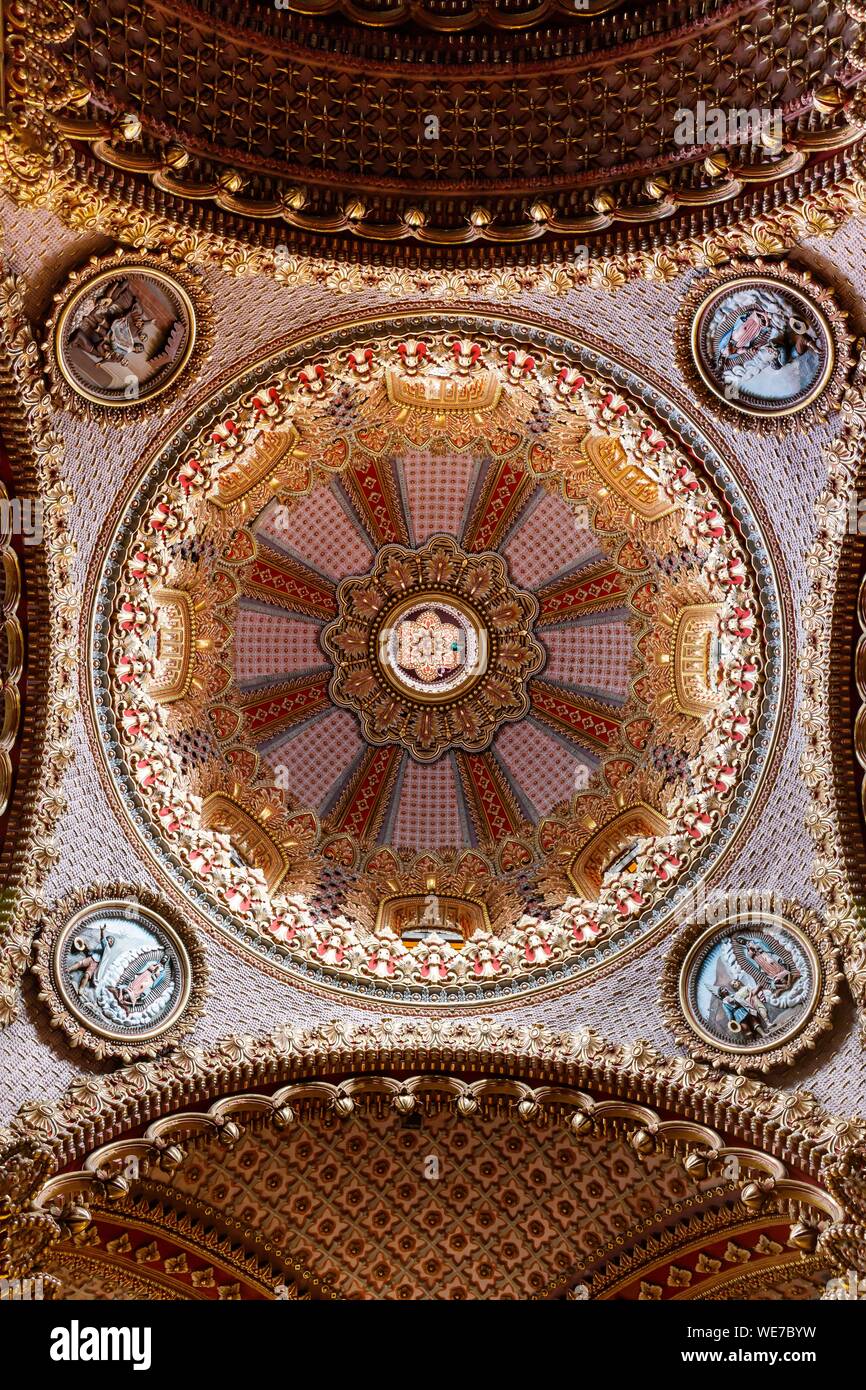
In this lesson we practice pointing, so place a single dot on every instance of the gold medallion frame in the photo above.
(691, 946)
(82, 281)
(54, 929)
(800, 284)
(433, 599)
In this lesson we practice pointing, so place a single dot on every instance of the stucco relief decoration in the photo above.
(434, 649)
(124, 333)
(753, 988)
(244, 598)
(136, 193)
(445, 436)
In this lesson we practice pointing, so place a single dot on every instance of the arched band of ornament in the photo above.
(579, 1085)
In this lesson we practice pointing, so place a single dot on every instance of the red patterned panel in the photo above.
(318, 530)
(506, 489)
(597, 588)
(269, 711)
(176, 1266)
(686, 1272)
(274, 644)
(551, 539)
(315, 758)
(580, 718)
(598, 656)
(362, 807)
(493, 808)
(277, 579)
(372, 488)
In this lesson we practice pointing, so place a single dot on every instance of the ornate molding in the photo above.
(444, 20)
(26, 416)
(12, 664)
(39, 170)
(183, 1246)
(789, 1125)
(835, 817)
(532, 367)
(189, 303)
(658, 1258)
(384, 643)
(553, 271)
(567, 1078)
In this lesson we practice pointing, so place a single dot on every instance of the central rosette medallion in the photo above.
(433, 648)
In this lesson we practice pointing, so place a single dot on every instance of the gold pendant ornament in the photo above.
(434, 648)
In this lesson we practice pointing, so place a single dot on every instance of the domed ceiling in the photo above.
(436, 668)
(433, 692)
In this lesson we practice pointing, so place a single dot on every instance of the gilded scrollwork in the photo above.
(552, 1079)
(36, 448)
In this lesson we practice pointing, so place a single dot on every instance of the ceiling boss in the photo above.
(442, 667)
(486, 642)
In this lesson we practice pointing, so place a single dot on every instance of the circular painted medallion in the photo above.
(433, 648)
(754, 987)
(119, 977)
(767, 344)
(123, 333)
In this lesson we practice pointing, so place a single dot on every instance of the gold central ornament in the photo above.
(433, 649)
(429, 647)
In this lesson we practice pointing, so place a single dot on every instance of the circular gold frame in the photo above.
(134, 903)
(690, 948)
(816, 298)
(82, 282)
(433, 598)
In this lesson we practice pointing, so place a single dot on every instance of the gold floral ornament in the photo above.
(118, 977)
(751, 988)
(433, 648)
(124, 332)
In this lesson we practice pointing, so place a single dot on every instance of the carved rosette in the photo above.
(433, 648)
